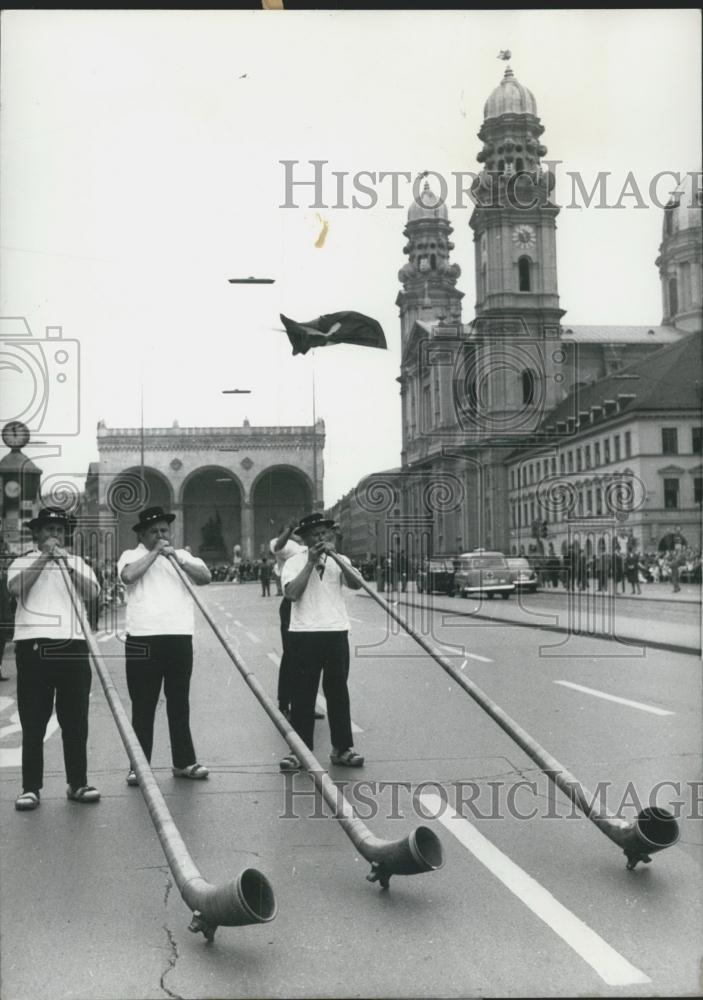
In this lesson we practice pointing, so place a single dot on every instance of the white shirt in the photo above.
(291, 548)
(158, 603)
(46, 611)
(321, 608)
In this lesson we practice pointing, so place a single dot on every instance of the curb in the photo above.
(622, 640)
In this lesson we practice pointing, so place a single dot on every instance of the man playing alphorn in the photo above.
(159, 645)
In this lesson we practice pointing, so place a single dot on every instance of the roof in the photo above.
(622, 334)
(670, 379)
(510, 97)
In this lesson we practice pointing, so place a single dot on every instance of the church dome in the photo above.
(510, 98)
(427, 206)
(683, 210)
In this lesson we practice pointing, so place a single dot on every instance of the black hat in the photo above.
(315, 520)
(50, 515)
(150, 516)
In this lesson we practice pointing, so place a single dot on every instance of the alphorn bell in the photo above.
(653, 830)
(420, 851)
(249, 899)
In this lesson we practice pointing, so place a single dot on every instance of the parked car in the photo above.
(523, 575)
(436, 575)
(484, 572)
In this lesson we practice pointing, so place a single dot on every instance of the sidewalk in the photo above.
(582, 615)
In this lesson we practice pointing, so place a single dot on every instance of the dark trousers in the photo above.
(151, 661)
(312, 654)
(265, 587)
(284, 680)
(41, 676)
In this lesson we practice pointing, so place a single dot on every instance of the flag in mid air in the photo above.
(334, 328)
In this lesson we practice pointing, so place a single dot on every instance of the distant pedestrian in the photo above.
(632, 571)
(265, 577)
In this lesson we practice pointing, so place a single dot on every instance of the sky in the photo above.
(141, 168)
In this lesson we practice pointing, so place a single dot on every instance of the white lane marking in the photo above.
(238, 623)
(472, 656)
(463, 665)
(254, 638)
(229, 614)
(12, 756)
(5, 702)
(359, 620)
(321, 705)
(616, 698)
(609, 964)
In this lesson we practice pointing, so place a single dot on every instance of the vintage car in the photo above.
(523, 575)
(436, 575)
(483, 572)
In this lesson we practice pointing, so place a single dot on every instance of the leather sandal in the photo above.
(132, 779)
(27, 801)
(86, 794)
(347, 758)
(196, 772)
(289, 763)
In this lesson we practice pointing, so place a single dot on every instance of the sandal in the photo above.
(347, 758)
(289, 763)
(196, 772)
(86, 793)
(132, 779)
(26, 801)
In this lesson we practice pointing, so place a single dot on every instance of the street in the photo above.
(532, 899)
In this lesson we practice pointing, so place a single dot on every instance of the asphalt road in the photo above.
(532, 900)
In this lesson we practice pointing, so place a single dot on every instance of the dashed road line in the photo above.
(613, 697)
(609, 964)
(252, 637)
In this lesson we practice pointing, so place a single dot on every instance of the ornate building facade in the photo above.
(473, 394)
(228, 486)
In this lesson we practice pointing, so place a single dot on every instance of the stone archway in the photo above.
(211, 501)
(129, 493)
(279, 493)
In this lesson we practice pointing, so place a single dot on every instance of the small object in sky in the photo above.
(504, 54)
(320, 241)
(334, 328)
(243, 76)
(236, 390)
(251, 281)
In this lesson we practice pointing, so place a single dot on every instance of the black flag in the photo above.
(334, 328)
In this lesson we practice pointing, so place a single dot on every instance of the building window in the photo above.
(606, 450)
(698, 491)
(528, 387)
(512, 479)
(670, 441)
(523, 266)
(554, 466)
(673, 297)
(669, 219)
(587, 456)
(599, 501)
(437, 413)
(513, 519)
(580, 503)
(628, 444)
(685, 275)
(589, 502)
(578, 460)
(426, 407)
(671, 494)
(697, 440)
(562, 462)
(570, 460)
(596, 453)
(483, 291)
(617, 447)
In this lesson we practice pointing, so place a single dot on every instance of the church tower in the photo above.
(428, 278)
(680, 258)
(514, 219)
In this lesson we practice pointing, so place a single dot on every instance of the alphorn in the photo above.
(249, 899)
(654, 829)
(420, 851)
